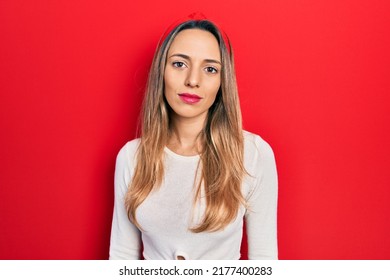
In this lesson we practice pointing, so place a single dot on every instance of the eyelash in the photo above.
(209, 69)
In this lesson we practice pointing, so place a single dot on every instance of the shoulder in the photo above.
(125, 163)
(127, 153)
(258, 154)
(130, 147)
(256, 145)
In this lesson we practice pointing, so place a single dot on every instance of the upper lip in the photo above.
(186, 94)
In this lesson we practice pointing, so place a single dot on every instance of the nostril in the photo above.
(180, 258)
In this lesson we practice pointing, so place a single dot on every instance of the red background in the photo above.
(313, 79)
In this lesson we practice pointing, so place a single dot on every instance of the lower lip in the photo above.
(189, 99)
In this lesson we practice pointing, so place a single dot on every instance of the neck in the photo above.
(184, 138)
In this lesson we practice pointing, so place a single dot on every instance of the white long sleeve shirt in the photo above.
(167, 213)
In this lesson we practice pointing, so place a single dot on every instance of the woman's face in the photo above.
(192, 74)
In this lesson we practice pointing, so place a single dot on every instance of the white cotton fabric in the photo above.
(167, 213)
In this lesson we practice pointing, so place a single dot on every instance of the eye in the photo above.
(178, 64)
(211, 70)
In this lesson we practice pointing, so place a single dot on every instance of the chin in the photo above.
(189, 115)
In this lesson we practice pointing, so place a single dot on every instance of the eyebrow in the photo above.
(188, 58)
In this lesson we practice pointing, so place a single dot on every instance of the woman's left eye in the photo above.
(211, 70)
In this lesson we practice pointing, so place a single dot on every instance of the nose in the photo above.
(193, 79)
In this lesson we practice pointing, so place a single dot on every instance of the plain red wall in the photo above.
(313, 79)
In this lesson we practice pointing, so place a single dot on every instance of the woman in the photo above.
(183, 189)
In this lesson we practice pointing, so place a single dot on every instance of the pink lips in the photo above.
(189, 98)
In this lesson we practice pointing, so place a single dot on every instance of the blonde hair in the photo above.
(221, 159)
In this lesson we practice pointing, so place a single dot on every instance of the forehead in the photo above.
(196, 43)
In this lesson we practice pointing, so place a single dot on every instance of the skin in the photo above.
(193, 66)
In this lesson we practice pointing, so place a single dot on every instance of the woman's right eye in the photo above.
(178, 64)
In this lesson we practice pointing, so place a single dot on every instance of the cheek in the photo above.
(170, 82)
(166, 80)
(169, 88)
(214, 87)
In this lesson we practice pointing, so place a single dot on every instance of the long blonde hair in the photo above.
(221, 159)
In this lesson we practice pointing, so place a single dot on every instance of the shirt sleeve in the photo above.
(261, 216)
(125, 236)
